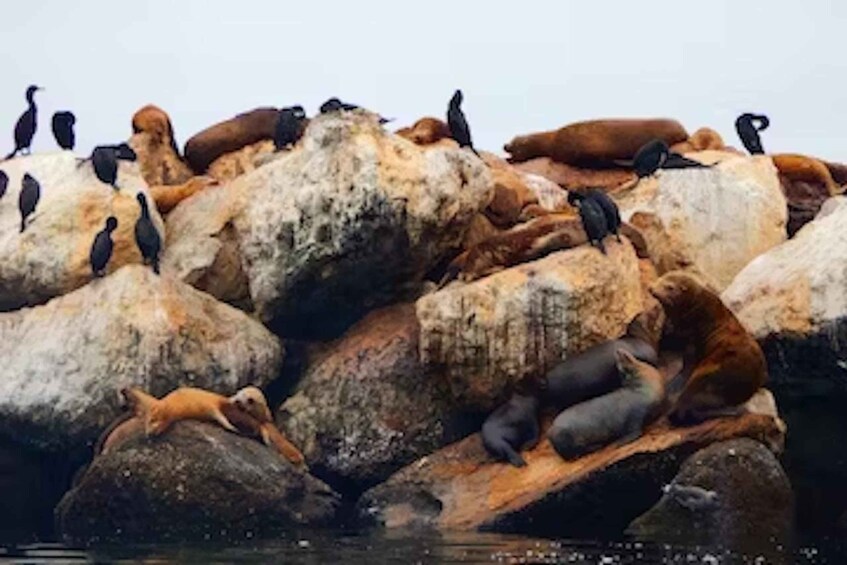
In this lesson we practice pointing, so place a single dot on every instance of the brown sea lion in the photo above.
(595, 142)
(167, 197)
(425, 131)
(728, 365)
(511, 428)
(155, 146)
(594, 372)
(704, 139)
(619, 416)
(230, 135)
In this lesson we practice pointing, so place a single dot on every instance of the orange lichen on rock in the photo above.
(595, 142)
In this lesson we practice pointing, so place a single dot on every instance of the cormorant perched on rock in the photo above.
(609, 207)
(104, 159)
(650, 158)
(677, 161)
(101, 249)
(459, 129)
(4, 183)
(28, 198)
(748, 131)
(27, 123)
(146, 236)
(289, 126)
(335, 105)
(63, 129)
(593, 222)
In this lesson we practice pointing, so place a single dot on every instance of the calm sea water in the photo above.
(409, 549)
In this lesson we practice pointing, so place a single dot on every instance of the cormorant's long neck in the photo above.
(30, 97)
(145, 211)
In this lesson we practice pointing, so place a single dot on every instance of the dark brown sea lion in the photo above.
(511, 428)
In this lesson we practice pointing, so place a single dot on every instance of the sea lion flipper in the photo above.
(513, 456)
(273, 437)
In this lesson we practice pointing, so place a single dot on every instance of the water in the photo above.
(411, 548)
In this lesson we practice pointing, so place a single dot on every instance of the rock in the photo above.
(366, 408)
(518, 323)
(195, 483)
(167, 197)
(806, 183)
(792, 300)
(51, 257)
(425, 131)
(64, 362)
(349, 220)
(752, 505)
(461, 488)
(549, 194)
(595, 142)
(154, 144)
(570, 177)
(704, 139)
(479, 230)
(228, 166)
(710, 221)
(229, 136)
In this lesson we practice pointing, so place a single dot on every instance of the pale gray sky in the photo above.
(524, 65)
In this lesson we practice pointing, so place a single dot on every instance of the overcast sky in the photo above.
(524, 66)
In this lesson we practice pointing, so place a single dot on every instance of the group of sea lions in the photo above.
(610, 392)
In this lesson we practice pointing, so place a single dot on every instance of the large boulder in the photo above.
(518, 323)
(793, 300)
(366, 407)
(595, 142)
(733, 493)
(195, 483)
(347, 221)
(230, 135)
(51, 257)
(154, 143)
(711, 221)
(64, 362)
(461, 488)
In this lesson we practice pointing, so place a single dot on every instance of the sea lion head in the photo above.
(251, 400)
(676, 290)
(522, 148)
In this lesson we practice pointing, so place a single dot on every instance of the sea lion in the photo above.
(619, 416)
(703, 139)
(595, 143)
(101, 248)
(594, 372)
(230, 135)
(425, 131)
(246, 412)
(458, 124)
(728, 364)
(748, 131)
(511, 428)
(28, 198)
(155, 145)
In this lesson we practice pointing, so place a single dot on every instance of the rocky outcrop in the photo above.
(51, 257)
(792, 300)
(229, 136)
(595, 142)
(366, 407)
(347, 221)
(195, 483)
(461, 488)
(518, 323)
(227, 167)
(167, 197)
(154, 144)
(710, 221)
(576, 178)
(734, 493)
(64, 362)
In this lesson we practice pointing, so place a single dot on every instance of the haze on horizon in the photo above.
(524, 67)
